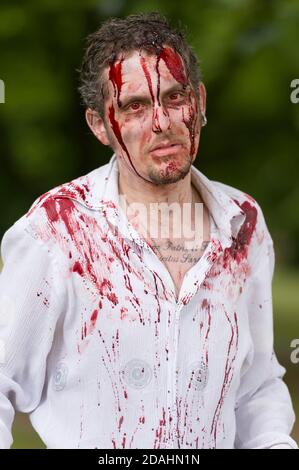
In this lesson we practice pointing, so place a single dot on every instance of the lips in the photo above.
(163, 145)
(162, 150)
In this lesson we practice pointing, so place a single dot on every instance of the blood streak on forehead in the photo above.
(115, 75)
(174, 64)
(147, 76)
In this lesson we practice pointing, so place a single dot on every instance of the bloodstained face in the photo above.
(151, 115)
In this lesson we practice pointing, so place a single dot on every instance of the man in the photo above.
(113, 334)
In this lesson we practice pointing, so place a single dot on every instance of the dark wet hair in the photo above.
(146, 31)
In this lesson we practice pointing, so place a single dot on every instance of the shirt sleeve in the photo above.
(264, 412)
(30, 301)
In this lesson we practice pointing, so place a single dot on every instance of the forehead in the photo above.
(135, 70)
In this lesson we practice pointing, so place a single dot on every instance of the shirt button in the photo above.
(60, 376)
(199, 375)
(137, 373)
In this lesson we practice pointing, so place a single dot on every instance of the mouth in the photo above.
(164, 150)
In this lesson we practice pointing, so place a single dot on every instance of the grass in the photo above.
(286, 328)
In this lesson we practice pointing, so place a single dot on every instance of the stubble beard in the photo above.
(170, 174)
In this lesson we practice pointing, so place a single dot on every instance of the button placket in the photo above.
(169, 411)
(172, 376)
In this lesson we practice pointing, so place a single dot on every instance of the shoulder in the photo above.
(254, 223)
(85, 190)
(235, 193)
(39, 220)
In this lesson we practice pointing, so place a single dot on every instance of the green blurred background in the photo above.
(248, 51)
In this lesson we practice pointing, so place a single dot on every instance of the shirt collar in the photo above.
(99, 191)
(227, 214)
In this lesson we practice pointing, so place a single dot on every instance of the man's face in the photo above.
(151, 115)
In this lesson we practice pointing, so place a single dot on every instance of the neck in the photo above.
(137, 190)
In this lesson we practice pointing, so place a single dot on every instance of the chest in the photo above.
(178, 258)
(180, 255)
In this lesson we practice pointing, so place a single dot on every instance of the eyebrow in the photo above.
(146, 98)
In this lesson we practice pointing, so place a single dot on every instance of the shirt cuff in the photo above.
(281, 446)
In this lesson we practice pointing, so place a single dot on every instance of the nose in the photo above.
(160, 120)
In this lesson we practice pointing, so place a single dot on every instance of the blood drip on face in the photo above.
(148, 77)
(115, 76)
(155, 117)
(190, 123)
(117, 132)
(175, 66)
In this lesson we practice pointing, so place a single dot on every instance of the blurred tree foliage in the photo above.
(248, 52)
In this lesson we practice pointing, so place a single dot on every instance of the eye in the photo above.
(175, 96)
(135, 106)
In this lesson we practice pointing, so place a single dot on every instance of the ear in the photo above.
(202, 97)
(97, 126)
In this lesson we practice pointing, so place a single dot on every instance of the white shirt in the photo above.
(94, 345)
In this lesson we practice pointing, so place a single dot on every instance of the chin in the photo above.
(171, 173)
